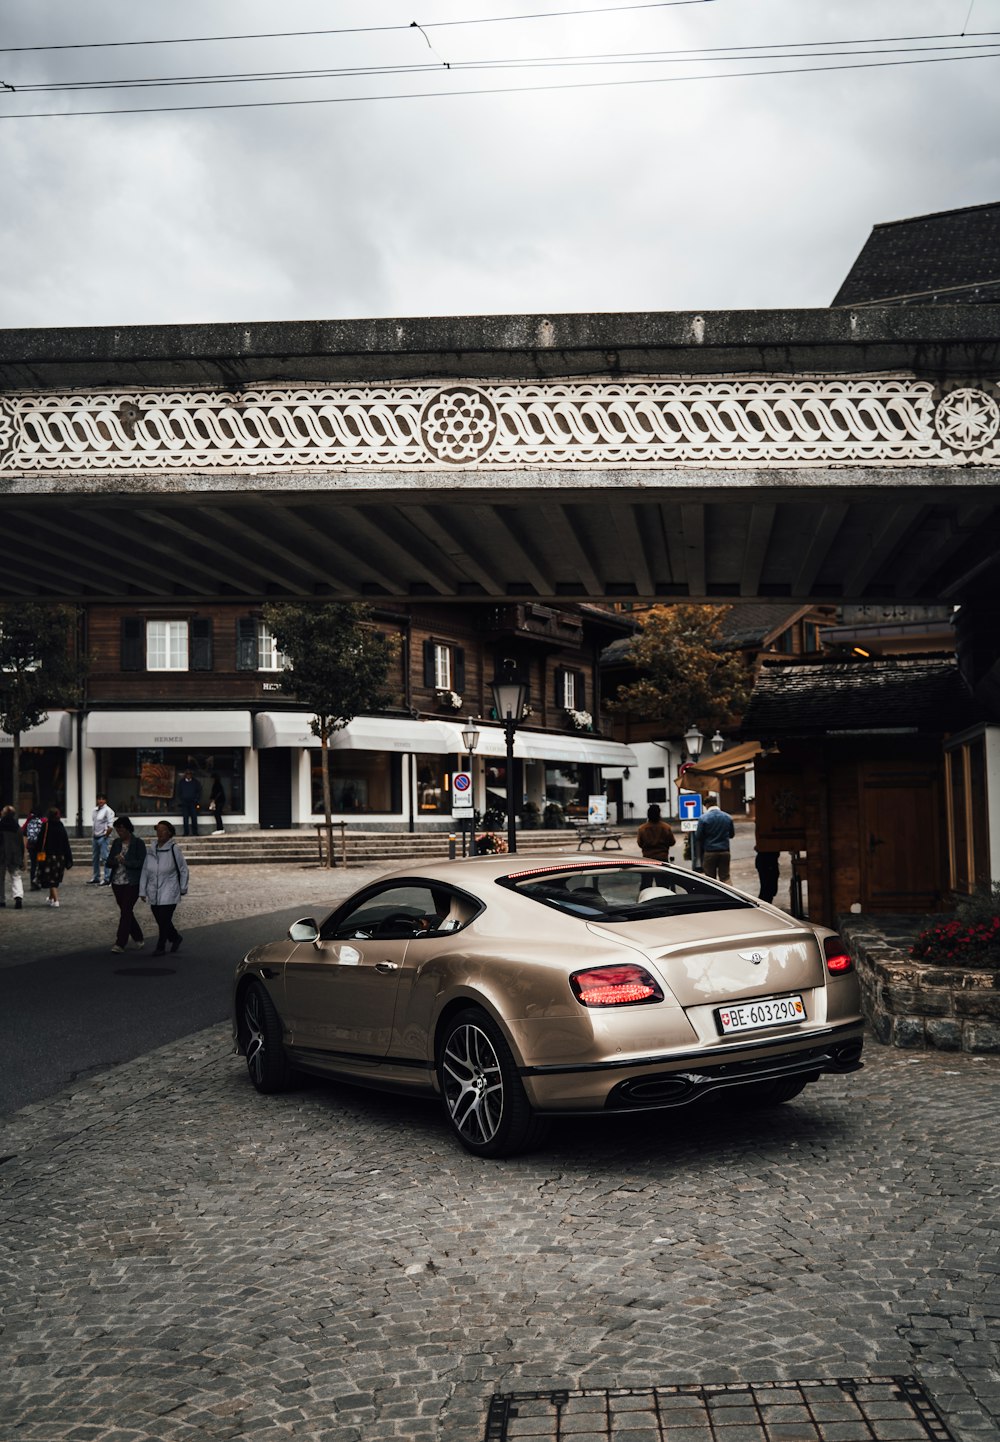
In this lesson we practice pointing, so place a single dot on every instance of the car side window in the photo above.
(391, 911)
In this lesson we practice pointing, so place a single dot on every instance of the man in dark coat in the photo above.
(189, 794)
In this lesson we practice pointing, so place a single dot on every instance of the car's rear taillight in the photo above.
(838, 959)
(615, 986)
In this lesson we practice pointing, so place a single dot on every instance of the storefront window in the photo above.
(565, 792)
(433, 794)
(141, 781)
(43, 778)
(361, 782)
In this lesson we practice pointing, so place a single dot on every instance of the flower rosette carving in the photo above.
(967, 420)
(458, 425)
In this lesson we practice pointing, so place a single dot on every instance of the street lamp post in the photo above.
(470, 740)
(717, 744)
(508, 701)
(694, 740)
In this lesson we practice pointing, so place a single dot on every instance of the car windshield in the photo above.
(620, 891)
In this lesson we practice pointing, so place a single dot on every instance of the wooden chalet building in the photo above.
(175, 686)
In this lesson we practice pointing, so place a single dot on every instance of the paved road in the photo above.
(182, 1259)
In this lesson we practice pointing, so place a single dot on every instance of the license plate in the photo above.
(749, 1015)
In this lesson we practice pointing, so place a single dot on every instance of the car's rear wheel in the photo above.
(485, 1100)
(261, 1027)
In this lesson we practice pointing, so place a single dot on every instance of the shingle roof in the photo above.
(825, 697)
(950, 257)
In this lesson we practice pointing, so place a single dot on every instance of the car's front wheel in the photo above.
(261, 1028)
(485, 1100)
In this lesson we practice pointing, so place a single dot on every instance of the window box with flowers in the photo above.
(450, 700)
(580, 720)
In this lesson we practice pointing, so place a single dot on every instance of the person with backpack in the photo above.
(163, 881)
(32, 830)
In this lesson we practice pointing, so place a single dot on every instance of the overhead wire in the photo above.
(921, 59)
(782, 50)
(360, 29)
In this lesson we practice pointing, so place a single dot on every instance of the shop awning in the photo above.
(55, 730)
(168, 728)
(580, 750)
(727, 763)
(547, 746)
(364, 733)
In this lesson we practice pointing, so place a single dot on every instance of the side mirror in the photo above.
(305, 930)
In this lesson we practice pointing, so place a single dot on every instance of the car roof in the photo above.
(471, 872)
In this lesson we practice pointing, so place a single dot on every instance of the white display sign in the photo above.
(597, 810)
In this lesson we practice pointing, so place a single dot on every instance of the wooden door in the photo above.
(901, 840)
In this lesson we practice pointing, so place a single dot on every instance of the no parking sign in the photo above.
(461, 791)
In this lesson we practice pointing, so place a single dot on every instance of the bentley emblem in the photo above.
(755, 956)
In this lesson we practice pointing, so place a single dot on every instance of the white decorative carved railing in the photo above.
(490, 425)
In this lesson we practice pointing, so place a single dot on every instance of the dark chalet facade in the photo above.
(174, 686)
(876, 774)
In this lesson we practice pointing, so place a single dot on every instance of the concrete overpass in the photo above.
(815, 455)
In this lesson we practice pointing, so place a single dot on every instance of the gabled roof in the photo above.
(752, 624)
(747, 626)
(950, 257)
(863, 697)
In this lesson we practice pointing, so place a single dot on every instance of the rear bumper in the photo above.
(659, 1083)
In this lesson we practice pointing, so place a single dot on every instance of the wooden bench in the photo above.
(588, 833)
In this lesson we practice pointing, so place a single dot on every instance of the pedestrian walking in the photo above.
(715, 831)
(34, 824)
(103, 820)
(126, 859)
(163, 882)
(13, 856)
(655, 837)
(55, 855)
(189, 794)
(766, 863)
(217, 802)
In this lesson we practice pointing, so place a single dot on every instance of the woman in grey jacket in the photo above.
(164, 881)
(125, 862)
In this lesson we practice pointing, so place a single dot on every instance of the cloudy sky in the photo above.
(643, 184)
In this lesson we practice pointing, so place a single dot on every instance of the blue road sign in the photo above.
(689, 805)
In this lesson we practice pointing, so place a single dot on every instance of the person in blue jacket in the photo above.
(715, 831)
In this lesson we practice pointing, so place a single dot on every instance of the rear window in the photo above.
(619, 891)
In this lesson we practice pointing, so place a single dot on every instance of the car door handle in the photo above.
(385, 967)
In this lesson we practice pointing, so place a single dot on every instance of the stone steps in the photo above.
(299, 848)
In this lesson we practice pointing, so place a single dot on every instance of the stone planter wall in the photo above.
(911, 1004)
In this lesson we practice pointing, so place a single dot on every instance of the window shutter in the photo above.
(133, 643)
(200, 634)
(580, 691)
(429, 665)
(458, 670)
(246, 643)
(559, 686)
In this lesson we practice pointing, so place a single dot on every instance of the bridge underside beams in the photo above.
(823, 535)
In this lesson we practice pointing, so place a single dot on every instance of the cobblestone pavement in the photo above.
(183, 1259)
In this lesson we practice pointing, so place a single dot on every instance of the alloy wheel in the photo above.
(473, 1084)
